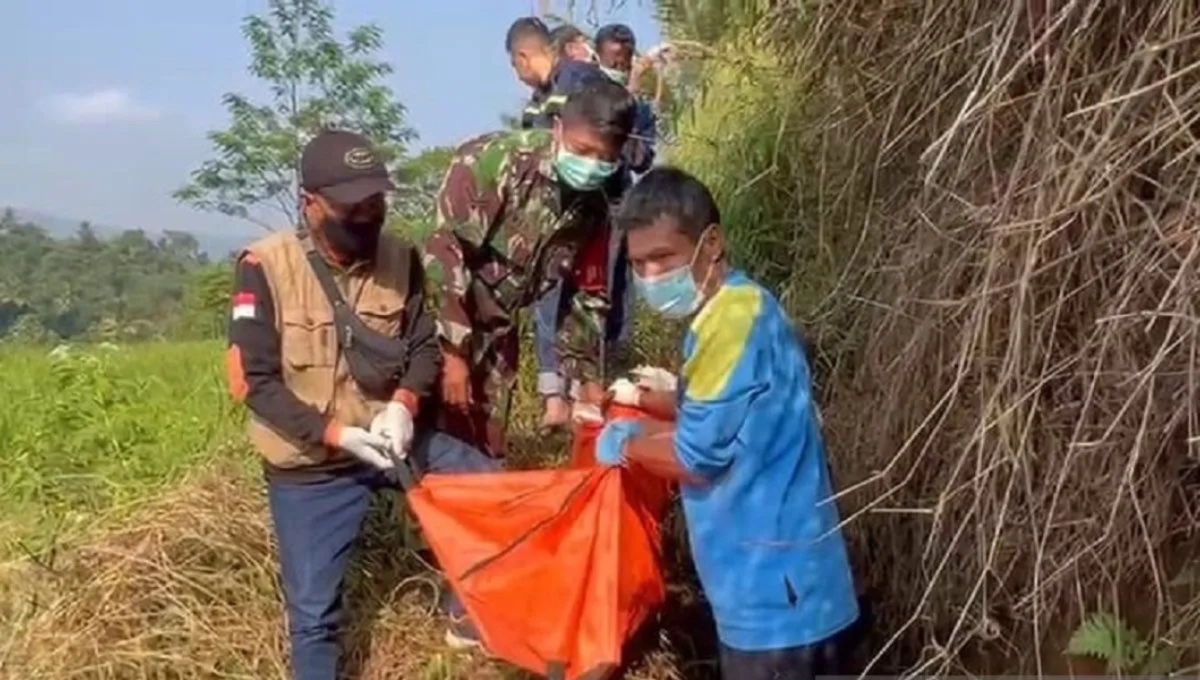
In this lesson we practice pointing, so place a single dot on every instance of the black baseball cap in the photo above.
(343, 167)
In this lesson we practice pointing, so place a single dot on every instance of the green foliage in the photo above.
(206, 301)
(316, 81)
(124, 288)
(420, 177)
(1110, 639)
(85, 429)
(730, 138)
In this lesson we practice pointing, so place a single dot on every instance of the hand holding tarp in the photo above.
(368, 447)
(624, 392)
(395, 424)
(610, 445)
(655, 378)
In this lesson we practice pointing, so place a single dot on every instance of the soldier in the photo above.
(513, 213)
(538, 63)
(330, 428)
(554, 64)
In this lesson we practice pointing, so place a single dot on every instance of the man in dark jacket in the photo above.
(537, 61)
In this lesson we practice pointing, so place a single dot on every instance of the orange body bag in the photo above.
(557, 568)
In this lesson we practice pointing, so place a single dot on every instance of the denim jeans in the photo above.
(550, 307)
(317, 525)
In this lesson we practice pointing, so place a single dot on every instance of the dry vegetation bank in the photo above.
(987, 211)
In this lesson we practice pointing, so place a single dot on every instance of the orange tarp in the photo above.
(557, 568)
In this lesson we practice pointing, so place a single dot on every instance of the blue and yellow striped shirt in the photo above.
(763, 529)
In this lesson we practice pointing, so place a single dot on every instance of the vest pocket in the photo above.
(309, 353)
(308, 342)
(383, 316)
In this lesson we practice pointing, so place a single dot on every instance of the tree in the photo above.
(316, 81)
(419, 181)
(126, 286)
(415, 202)
(206, 301)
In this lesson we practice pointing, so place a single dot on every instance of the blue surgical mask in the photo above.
(580, 172)
(617, 76)
(673, 294)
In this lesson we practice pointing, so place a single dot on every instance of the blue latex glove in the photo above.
(610, 445)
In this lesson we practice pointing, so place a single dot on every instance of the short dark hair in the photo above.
(526, 28)
(564, 35)
(616, 33)
(667, 191)
(604, 105)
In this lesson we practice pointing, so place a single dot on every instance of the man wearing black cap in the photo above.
(329, 436)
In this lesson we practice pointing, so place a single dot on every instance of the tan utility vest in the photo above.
(313, 368)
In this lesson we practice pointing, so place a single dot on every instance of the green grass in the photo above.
(96, 430)
(100, 428)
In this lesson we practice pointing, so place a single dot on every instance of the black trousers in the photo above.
(830, 657)
(793, 663)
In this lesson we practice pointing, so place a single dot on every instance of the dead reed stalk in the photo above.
(1012, 419)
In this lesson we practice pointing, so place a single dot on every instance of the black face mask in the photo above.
(356, 240)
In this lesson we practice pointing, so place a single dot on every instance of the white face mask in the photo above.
(674, 294)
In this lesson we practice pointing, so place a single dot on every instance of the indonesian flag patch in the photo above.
(244, 306)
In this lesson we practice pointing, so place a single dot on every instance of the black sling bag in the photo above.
(376, 361)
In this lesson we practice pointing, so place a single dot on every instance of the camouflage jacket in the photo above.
(507, 233)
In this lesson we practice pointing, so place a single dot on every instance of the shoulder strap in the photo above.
(321, 268)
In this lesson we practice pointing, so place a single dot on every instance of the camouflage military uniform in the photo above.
(506, 234)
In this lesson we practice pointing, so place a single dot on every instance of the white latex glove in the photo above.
(584, 412)
(396, 425)
(369, 447)
(625, 392)
(655, 378)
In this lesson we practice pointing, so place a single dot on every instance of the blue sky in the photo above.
(108, 102)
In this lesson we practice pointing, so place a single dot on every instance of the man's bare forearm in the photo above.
(655, 452)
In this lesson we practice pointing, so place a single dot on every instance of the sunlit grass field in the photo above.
(93, 429)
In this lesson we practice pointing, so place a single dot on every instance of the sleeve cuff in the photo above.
(333, 433)
(550, 384)
(408, 399)
(454, 336)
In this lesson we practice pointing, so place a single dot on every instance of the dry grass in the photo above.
(185, 585)
(188, 589)
(1012, 405)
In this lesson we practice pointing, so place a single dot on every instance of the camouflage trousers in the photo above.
(492, 374)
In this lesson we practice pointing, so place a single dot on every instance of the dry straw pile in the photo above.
(995, 208)
(188, 589)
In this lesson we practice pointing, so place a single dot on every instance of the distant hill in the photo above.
(217, 246)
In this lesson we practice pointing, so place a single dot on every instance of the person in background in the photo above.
(537, 62)
(616, 47)
(745, 444)
(554, 65)
(514, 212)
(572, 43)
(327, 447)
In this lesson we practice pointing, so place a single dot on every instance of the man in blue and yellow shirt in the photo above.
(745, 445)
